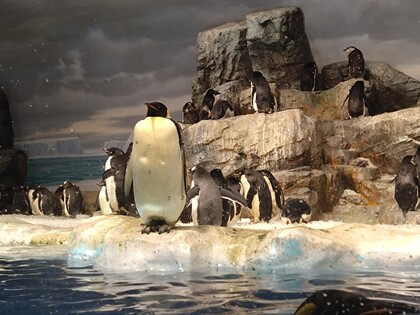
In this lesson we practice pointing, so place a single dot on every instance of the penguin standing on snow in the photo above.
(205, 197)
(261, 97)
(73, 199)
(357, 104)
(189, 113)
(157, 169)
(41, 201)
(257, 195)
(296, 210)
(407, 186)
(206, 102)
(277, 196)
(356, 63)
(59, 200)
(103, 200)
(222, 109)
(308, 77)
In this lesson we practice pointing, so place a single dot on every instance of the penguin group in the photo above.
(67, 201)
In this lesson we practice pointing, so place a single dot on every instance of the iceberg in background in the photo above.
(51, 147)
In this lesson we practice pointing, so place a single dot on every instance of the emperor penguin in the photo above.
(257, 195)
(261, 97)
(356, 63)
(277, 196)
(308, 77)
(333, 301)
(222, 109)
(296, 210)
(73, 199)
(407, 186)
(157, 169)
(205, 197)
(206, 102)
(189, 113)
(357, 101)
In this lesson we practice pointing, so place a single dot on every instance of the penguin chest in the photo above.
(104, 202)
(158, 170)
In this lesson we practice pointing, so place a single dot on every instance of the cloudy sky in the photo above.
(84, 68)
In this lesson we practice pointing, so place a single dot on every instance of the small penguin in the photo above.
(407, 186)
(235, 185)
(59, 200)
(73, 199)
(357, 104)
(108, 178)
(296, 210)
(356, 63)
(416, 160)
(222, 109)
(41, 201)
(205, 197)
(257, 195)
(308, 77)
(116, 156)
(103, 199)
(206, 102)
(157, 169)
(261, 97)
(326, 302)
(277, 196)
(189, 113)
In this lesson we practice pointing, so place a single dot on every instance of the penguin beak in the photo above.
(106, 150)
(150, 106)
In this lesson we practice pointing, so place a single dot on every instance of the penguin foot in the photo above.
(165, 228)
(156, 226)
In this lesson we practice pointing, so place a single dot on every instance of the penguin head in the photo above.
(157, 109)
(189, 107)
(349, 49)
(113, 151)
(212, 92)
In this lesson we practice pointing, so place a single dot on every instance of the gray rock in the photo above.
(6, 126)
(278, 45)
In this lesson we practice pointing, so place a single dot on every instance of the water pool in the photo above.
(39, 280)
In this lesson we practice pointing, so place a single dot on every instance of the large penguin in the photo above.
(257, 195)
(157, 167)
(189, 113)
(277, 196)
(356, 63)
(357, 104)
(205, 103)
(261, 97)
(308, 77)
(327, 302)
(407, 186)
(205, 197)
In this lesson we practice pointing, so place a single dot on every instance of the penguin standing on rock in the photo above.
(296, 210)
(407, 186)
(205, 197)
(157, 169)
(277, 196)
(356, 63)
(257, 195)
(308, 77)
(261, 97)
(357, 104)
(116, 157)
(206, 102)
(189, 114)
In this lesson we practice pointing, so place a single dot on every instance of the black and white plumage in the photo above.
(296, 210)
(103, 200)
(261, 97)
(328, 302)
(257, 195)
(206, 103)
(205, 198)
(308, 77)
(407, 186)
(357, 101)
(59, 200)
(116, 157)
(222, 109)
(190, 113)
(156, 169)
(356, 63)
(41, 201)
(277, 196)
(416, 160)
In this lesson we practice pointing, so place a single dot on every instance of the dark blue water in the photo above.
(51, 286)
(54, 171)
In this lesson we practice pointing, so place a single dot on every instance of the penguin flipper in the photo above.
(250, 196)
(191, 194)
(233, 196)
(128, 178)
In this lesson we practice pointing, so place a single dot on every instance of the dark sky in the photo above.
(84, 68)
